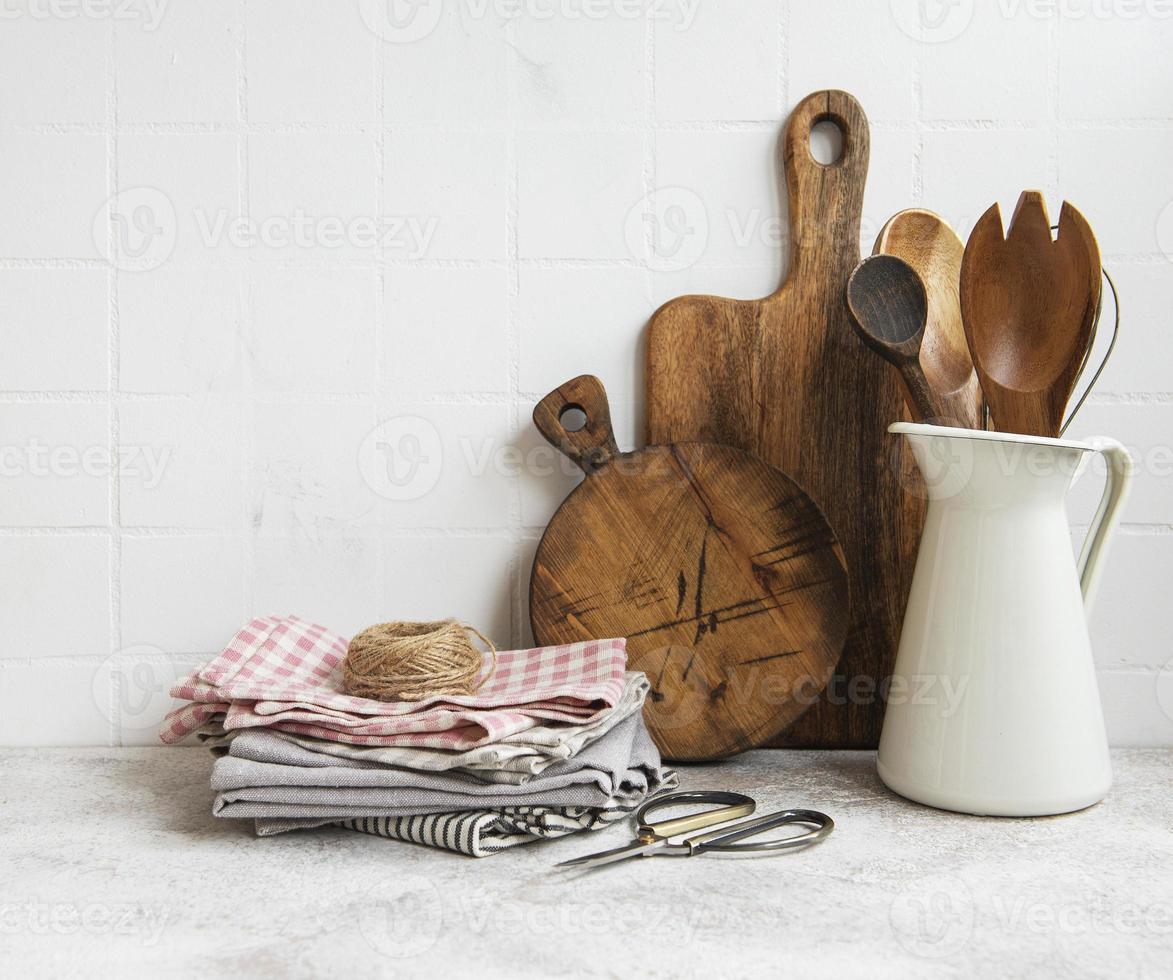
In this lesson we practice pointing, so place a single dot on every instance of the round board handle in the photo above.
(593, 444)
(826, 199)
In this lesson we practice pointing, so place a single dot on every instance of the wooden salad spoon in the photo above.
(927, 243)
(1029, 304)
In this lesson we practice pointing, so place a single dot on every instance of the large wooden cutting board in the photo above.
(784, 377)
(722, 574)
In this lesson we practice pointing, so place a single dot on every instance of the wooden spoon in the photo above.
(888, 307)
(927, 243)
(1029, 304)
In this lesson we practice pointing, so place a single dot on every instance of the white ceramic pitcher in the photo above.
(993, 707)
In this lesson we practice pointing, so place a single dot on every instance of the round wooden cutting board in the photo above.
(722, 574)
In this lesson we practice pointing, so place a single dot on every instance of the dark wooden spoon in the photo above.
(888, 309)
(1029, 303)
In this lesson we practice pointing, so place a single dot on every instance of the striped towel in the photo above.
(479, 833)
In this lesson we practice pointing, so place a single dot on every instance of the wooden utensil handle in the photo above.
(593, 444)
(920, 397)
(826, 200)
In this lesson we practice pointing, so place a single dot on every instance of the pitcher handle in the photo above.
(1103, 526)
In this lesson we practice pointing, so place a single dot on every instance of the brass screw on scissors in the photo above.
(652, 838)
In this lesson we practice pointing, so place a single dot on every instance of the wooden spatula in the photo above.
(927, 243)
(1029, 303)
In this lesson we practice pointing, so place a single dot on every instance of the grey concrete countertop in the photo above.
(113, 866)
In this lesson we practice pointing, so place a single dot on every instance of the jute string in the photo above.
(403, 661)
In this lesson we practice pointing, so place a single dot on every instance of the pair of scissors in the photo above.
(652, 839)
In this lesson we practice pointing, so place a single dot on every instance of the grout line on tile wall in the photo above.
(55, 263)
(1051, 186)
(379, 54)
(246, 417)
(515, 571)
(113, 380)
(225, 533)
(526, 532)
(594, 127)
(650, 184)
(318, 265)
(917, 176)
(783, 78)
(404, 396)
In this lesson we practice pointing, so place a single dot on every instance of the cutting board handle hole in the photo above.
(826, 142)
(572, 418)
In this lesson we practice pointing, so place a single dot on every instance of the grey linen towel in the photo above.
(273, 781)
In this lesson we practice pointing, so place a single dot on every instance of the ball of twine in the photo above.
(403, 661)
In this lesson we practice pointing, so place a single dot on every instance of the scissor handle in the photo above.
(725, 838)
(736, 805)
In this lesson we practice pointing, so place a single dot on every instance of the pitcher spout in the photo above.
(973, 468)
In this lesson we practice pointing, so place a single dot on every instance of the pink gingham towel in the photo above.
(284, 673)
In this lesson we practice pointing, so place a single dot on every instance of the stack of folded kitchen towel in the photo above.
(553, 742)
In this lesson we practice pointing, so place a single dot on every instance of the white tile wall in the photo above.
(308, 62)
(446, 330)
(560, 75)
(180, 330)
(78, 51)
(448, 192)
(290, 350)
(55, 185)
(575, 191)
(347, 255)
(183, 70)
(717, 60)
(182, 464)
(60, 310)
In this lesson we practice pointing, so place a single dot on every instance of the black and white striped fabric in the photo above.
(479, 833)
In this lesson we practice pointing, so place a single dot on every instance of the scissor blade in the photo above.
(634, 849)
